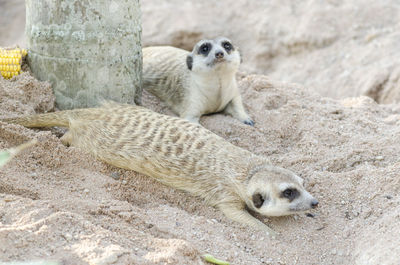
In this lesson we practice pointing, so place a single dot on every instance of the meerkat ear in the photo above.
(258, 200)
(189, 61)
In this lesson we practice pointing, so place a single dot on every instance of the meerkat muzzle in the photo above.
(219, 55)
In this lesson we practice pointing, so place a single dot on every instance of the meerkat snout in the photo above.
(219, 54)
(314, 204)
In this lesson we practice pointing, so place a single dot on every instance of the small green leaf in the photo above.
(4, 157)
(211, 259)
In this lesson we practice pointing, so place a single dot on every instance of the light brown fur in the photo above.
(175, 152)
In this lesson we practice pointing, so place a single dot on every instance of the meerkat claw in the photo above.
(249, 122)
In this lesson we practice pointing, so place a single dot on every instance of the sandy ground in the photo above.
(58, 203)
(334, 47)
(12, 21)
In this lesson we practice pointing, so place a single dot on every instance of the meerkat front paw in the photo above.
(249, 122)
(235, 109)
(191, 117)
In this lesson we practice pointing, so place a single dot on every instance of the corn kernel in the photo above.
(10, 61)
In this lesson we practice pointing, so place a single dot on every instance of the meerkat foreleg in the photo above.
(235, 108)
(244, 217)
(191, 118)
(191, 114)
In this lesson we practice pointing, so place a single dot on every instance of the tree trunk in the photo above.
(88, 50)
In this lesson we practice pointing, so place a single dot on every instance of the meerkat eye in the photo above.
(290, 194)
(204, 48)
(227, 46)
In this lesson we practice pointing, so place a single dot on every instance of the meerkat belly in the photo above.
(215, 94)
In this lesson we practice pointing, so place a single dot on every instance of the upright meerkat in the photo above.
(183, 155)
(196, 83)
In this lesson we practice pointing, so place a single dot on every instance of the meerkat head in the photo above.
(274, 191)
(210, 55)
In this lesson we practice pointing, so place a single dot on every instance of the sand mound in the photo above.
(58, 203)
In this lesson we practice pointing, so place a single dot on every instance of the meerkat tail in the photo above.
(60, 118)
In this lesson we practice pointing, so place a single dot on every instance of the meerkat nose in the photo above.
(314, 203)
(219, 54)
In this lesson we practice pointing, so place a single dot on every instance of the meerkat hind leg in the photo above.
(244, 217)
(235, 109)
(66, 139)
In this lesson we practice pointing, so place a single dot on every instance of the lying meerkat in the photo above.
(196, 83)
(182, 155)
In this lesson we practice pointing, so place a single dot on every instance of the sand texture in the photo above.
(336, 48)
(59, 203)
(314, 75)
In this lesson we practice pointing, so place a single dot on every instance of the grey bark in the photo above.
(88, 50)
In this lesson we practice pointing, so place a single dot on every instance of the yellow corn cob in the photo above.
(10, 61)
